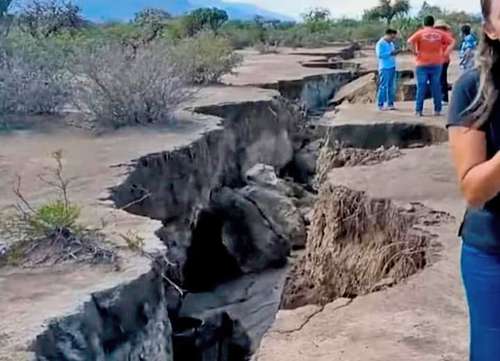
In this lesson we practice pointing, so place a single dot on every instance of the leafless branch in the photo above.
(18, 193)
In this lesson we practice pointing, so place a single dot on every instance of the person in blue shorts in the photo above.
(474, 132)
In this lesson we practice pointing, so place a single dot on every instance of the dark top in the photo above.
(481, 226)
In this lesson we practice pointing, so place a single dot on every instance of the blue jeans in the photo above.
(425, 75)
(481, 277)
(386, 87)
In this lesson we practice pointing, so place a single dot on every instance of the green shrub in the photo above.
(300, 36)
(204, 19)
(368, 31)
(49, 234)
(174, 29)
(53, 216)
(206, 58)
(242, 37)
(134, 241)
(132, 35)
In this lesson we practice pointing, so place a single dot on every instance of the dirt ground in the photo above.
(262, 69)
(29, 298)
(369, 114)
(424, 318)
(421, 319)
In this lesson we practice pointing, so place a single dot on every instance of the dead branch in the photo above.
(18, 193)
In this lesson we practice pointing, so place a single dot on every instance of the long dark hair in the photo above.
(489, 70)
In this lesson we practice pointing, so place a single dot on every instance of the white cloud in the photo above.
(350, 8)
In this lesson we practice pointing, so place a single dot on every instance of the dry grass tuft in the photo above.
(338, 156)
(355, 245)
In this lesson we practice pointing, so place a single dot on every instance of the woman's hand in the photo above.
(479, 178)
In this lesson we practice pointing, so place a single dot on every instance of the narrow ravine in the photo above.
(229, 224)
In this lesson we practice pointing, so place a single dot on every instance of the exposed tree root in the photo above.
(61, 247)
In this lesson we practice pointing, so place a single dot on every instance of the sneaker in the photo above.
(382, 109)
(392, 107)
(419, 114)
(437, 114)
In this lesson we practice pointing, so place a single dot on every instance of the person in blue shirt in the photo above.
(467, 49)
(386, 55)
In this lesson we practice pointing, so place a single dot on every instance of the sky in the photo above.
(352, 8)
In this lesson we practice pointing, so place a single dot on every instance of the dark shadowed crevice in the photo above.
(373, 136)
(216, 338)
(208, 261)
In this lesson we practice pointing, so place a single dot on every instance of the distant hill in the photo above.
(101, 10)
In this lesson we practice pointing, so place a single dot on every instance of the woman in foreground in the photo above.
(474, 128)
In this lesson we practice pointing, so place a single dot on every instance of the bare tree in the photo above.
(388, 10)
(317, 20)
(317, 14)
(150, 23)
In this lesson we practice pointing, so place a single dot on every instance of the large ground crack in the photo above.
(356, 244)
(310, 317)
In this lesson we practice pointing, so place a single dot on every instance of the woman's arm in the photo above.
(479, 178)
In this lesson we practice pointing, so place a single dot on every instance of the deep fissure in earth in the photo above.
(230, 223)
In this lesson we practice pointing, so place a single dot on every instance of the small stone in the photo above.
(263, 174)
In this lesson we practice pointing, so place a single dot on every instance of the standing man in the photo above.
(467, 49)
(430, 47)
(386, 55)
(442, 25)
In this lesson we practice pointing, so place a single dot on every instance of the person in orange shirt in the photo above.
(430, 46)
(442, 25)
